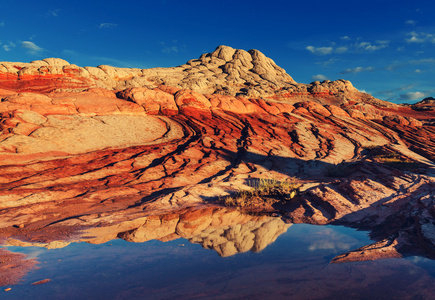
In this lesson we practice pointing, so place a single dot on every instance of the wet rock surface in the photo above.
(13, 266)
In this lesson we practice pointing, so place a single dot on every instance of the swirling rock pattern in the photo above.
(87, 147)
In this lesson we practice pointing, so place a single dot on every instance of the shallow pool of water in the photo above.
(295, 266)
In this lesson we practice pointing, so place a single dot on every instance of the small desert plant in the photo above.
(271, 187)
(400, 163)
(394, 159)
(263, 191)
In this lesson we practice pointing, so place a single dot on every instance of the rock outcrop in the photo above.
(225, 71)
(427, 104)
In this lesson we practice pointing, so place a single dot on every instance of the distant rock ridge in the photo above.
(225, 71)
(427, 104)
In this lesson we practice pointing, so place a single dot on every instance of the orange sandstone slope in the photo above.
(97, 147)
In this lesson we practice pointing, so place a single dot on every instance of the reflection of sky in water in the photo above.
(329, 239)
(295, 266)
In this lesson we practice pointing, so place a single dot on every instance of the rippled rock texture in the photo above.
(89, 148)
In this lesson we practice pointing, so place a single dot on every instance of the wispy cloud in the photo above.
(422, 37)
(367, 46)
(341, 49)
(319, 77)
(411, 22)
(107, 25)
(353, 47)
(402, 64)
(330, 240)
(328, 245)
(393, 91)
(8, 46)
(31, 47)
(2, 24)
(320, 50)
(53, 12)
(357, 70)
(100, 60)
(328, 62)
(172, 49)
(412, 96)
(423, 61)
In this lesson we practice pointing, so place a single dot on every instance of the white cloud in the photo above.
(367, 46)
(346, 38)
(341, 49)
(418, 71)
(320, 50)
(8, 46)
(423, 61)
(357, 70)
(422, 37)
(358, 47)
(412, 96)
(31, 47)
(327, 50)
(411, 22)
(107, 25)
(414, 38)
(2, 24)
(319, 77)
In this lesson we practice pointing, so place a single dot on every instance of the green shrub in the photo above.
(394, 159)
(263, 191)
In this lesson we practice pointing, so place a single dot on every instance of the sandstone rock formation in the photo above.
(226, 71)
(427, 104)
(106, 147)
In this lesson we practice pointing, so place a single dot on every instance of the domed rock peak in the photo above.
(225, 71)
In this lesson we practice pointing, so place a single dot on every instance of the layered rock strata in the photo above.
(105, 149)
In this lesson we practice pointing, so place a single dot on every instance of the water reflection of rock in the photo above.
(252, 236)
(226, 231)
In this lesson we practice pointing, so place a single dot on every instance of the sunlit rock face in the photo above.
(225, 71)
(88, 147)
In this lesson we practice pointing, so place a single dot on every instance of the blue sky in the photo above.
(386, 48)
